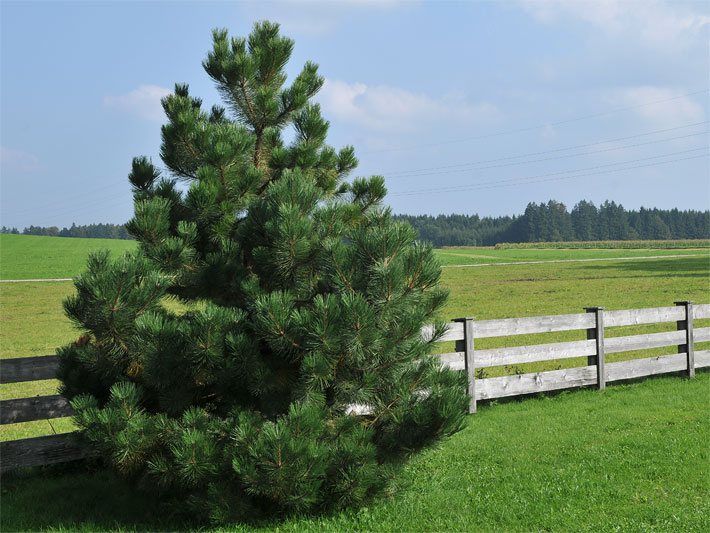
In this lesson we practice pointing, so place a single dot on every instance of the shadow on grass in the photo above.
(87, 497)
(692, 267)
(81, 497)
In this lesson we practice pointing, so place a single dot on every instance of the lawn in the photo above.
(631, 458)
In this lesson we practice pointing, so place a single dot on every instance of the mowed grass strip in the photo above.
(484, 255)
(631, 458)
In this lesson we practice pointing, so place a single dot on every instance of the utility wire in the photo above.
(531, 128)
(530, 154)
(565, 156)
(527, 179)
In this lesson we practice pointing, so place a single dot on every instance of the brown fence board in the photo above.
(38, 408)
(651, 315)
(28, 368)
(535, 382)
(533, 324)
(38, 451)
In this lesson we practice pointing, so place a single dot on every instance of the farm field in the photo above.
(631, 457)
(480, 255)
(33, 256)
(33, 322)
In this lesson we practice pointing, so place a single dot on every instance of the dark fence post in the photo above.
(466, 346)
(597, 333)
(689, 346)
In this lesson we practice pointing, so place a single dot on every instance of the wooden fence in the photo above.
(59, 448)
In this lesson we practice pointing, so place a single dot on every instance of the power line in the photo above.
(531, 128)
(527, 161)
(534, 179)
(610, 171)
(556, 150)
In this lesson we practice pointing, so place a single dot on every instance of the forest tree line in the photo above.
(94, 231)
(543, 222)
(551, 222)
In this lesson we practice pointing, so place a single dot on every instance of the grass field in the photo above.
(633, 457)
(33, 257)
(684, 243)
(33, 322)
(476, 256)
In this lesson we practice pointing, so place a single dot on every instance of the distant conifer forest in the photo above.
(543, 222)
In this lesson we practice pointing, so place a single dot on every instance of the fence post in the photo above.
(689, 346)
(466, 346)
(597, 333)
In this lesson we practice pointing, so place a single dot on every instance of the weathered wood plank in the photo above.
(650, 366)
(534, 324)
(641, 342)
(39, 451)
(702, 358)
(37, 408)
(453, 333)
(701, 311)
(453, 360)
(28, 368)
(651, 315)
(467, 346)
(702, 334)
(535, 352)
(536, 382)
(686, 326)
(598, 335)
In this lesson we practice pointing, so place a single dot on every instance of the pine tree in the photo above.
(298, 375)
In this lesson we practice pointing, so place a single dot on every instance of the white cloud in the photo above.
(15, 160)
(672, 107)
(391, 108)
(653, 22)
(143, 102)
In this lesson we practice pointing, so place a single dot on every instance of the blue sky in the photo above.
(466, 107)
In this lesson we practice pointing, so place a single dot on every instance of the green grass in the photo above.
(480, 255)
(35, 257)
(33, 322)
(631, 458)
(660, 244)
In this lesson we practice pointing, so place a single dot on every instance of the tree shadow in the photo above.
(691, 267)
(81, 497)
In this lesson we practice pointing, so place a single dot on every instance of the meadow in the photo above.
(631, 457)
(35, 257)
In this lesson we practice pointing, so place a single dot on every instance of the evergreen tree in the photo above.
(584, 221)
(298, 376)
